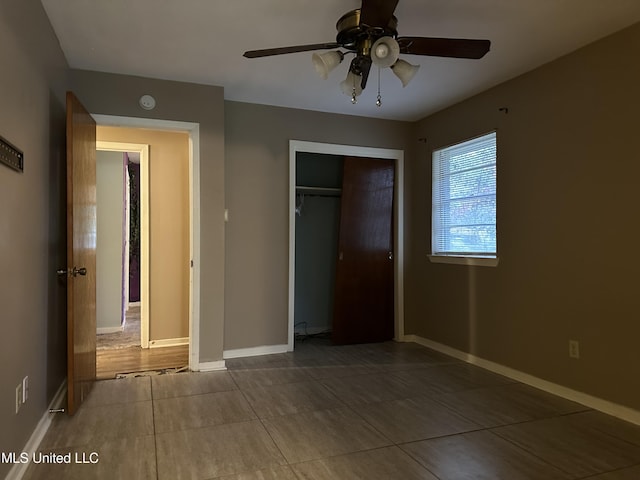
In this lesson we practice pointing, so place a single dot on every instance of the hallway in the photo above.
(120, 353)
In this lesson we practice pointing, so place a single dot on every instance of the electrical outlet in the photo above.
(25, 389)
(574, 349)
(18, 397)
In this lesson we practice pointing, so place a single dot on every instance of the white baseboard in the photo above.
(19, 469)
(168, 342)
(605, 406)
(255, 351)
(239, 353)
(212, 366)
(102, 330)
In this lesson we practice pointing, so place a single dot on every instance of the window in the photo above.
(463, 221)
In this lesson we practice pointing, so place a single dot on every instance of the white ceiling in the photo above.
(202, 41)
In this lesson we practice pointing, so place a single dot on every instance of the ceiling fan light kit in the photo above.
(351, 85)
(404, 71)
(385, 52)
(370, 33)
(326, 62)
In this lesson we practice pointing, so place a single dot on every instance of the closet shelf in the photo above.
(323, 191)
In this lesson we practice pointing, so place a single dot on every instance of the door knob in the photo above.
(79, 271)
(72, 273)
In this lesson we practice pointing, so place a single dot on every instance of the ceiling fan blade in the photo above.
(377, 13)
(267, 52)
(444, 47)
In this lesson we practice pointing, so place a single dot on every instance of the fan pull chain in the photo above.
(354, 98)
(379, 99)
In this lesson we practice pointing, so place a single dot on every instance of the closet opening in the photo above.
(345, 249)
(317, 225)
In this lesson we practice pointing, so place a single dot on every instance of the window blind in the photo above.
(464, 198)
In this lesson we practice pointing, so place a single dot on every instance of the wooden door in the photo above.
(81, 253)
(364, 289)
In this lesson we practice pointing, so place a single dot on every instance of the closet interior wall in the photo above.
(318, 188)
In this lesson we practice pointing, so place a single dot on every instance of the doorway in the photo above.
(188, 339)
(298, 149)
(122, 302)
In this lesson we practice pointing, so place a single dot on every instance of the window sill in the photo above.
(471, 261)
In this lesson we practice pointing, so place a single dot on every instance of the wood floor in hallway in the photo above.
(135, 359)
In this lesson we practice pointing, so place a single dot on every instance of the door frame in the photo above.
(143, 150)
(299, 146)
(193, 130)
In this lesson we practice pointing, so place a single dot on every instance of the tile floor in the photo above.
(379, 411)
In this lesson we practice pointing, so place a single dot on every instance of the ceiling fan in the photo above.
(370, 33)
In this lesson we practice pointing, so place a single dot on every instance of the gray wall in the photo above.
(32, 208)
(257, 196)
(110, 94)
(568, 226)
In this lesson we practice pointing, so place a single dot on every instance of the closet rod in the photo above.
(319, 191)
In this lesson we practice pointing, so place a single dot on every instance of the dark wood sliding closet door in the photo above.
(364, 289)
